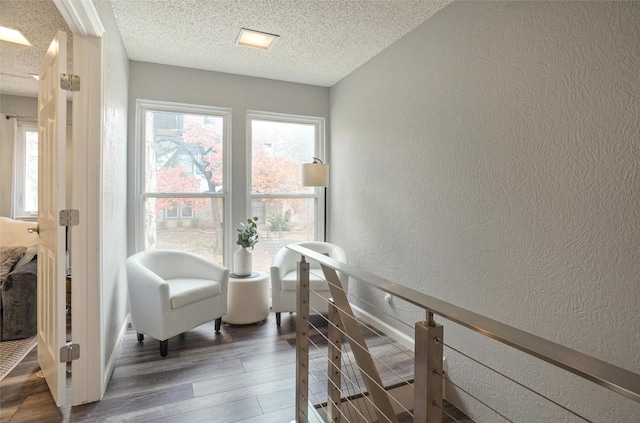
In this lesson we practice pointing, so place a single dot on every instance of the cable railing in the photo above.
(354, 367)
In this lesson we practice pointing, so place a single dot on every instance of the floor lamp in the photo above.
(316, 174)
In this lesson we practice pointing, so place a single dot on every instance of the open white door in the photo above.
(52, 123)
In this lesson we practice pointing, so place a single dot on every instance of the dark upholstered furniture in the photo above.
(18, 303)
(18, 279)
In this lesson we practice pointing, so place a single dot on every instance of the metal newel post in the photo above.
(430, 320)
(302, 343)
(427, 403)
(334, 364)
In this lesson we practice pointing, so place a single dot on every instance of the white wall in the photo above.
(113, 200)
(491, 158)
(240, 93)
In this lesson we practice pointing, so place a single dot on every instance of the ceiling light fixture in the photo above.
(13, 36)
(35, 76)
(256, 39)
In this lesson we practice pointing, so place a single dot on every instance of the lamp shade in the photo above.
(315, 174)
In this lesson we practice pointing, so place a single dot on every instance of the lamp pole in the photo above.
(325, 214)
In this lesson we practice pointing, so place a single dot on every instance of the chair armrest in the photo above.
(284, 262)
(276, 278)
(148, 298)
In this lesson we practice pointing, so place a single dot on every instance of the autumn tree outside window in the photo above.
(288, 212)
(183, 197)
(184, 188)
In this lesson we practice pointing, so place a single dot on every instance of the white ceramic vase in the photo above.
(242, 264)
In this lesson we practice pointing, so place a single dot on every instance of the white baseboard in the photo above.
(398, 336)
(110, 367)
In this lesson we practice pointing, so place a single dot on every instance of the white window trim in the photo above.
(19, 169)
(319, 152)
(142, 106)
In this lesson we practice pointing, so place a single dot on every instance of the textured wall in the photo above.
(114, 182)
(491, 158)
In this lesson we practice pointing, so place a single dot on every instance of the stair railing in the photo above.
(429, 340)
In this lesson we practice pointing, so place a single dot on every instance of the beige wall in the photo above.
(491, 158)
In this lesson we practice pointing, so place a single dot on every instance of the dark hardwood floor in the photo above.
(243, 374)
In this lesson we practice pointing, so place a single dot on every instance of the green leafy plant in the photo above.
(278, 223)
(248, 234)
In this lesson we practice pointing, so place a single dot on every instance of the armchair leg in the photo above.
(218, 324)
(140, 337)
(278, 319)
(164, 347)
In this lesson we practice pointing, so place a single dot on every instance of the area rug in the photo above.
(12, 353)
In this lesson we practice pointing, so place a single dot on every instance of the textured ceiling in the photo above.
(39, 21)
(321, 41)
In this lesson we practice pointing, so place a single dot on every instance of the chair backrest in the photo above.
(288, 259)
(168, 264)
(332, 250)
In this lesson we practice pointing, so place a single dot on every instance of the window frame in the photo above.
(319, 149)
(20, 170)
(142, 107)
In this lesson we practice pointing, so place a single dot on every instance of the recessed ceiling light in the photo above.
(13, 36)
(256, 39)
(35, 76)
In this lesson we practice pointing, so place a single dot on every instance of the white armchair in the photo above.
(172, 291)
(284, 278)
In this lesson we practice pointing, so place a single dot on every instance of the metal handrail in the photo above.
(600, 372)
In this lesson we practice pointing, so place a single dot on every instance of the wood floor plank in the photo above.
(284, 415)
(16, 388)
(225, 413)
(209, 363)
(177, 408)
(245, 380)
(123, 404)
(239, 349)
(39, 407)
(6, 413)
(262, 361)
(243, 374)
(58, 416)
(278, 400)
(251, 391)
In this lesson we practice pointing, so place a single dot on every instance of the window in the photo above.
(26, 171)
(183, 183)
(182, 210)
(287, 211)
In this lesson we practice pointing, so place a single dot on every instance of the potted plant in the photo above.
(247, 239)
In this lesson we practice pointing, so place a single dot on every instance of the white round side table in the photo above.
(247, 299)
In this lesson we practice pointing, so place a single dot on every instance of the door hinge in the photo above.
(69, 217)
(69, 352)
(69, 82)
